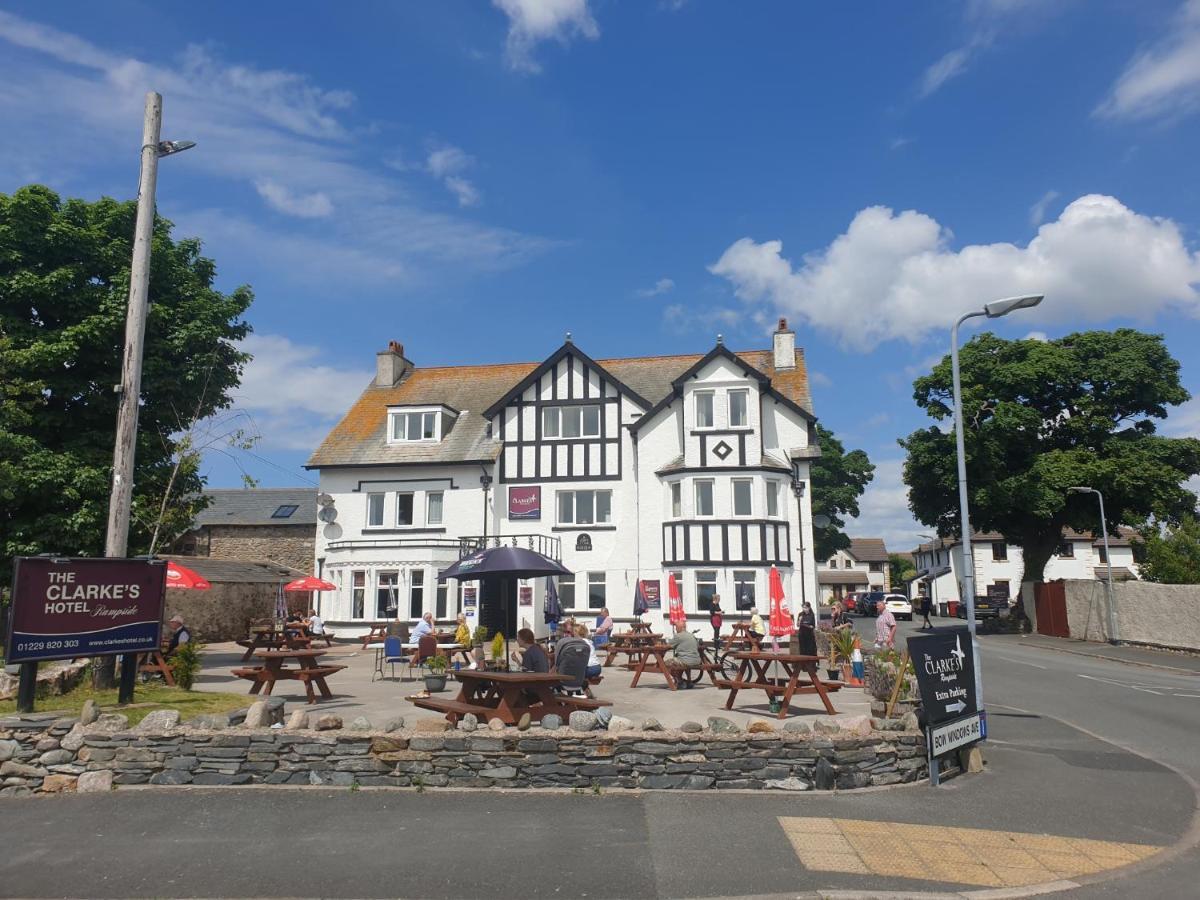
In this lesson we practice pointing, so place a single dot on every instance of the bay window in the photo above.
(704, 497)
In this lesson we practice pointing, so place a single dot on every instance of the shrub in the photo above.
(498, 646)
(185, 663)
(479, 635)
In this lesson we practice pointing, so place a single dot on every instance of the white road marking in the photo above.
(1122, 684)
(1020, 662)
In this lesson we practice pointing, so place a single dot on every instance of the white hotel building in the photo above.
(624, 469)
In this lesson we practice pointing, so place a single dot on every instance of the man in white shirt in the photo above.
(425, 626)
(316, 625)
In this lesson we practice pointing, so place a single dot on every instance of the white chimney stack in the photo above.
(390, 365)
(785, 346)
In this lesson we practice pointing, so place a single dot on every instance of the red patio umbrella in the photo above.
(675, 602)
(309, 583)
(182, 577)
(781, 614)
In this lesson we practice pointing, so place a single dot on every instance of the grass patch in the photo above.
(146, 699)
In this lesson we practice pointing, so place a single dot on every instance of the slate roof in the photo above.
(254, 506)
(827, 576)
(1119, 573)
(1123, 537)
(238, 571)
(868, 549)
(360, 438)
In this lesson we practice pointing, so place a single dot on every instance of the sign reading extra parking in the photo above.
(945, 669)
(63, 608)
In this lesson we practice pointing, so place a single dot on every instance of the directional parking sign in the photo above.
(945, 669)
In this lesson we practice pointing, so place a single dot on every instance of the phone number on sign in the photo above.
(32, 646)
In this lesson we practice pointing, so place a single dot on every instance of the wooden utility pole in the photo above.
(120, 500)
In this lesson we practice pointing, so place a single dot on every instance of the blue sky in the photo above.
(475, 179)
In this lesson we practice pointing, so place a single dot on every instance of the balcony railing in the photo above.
(545, 544)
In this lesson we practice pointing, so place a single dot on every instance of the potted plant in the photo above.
(435, 677)
(478, 636)
(842, 644)
(498, 658)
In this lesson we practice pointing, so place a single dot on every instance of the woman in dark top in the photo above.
(807, 631)
(715, 618)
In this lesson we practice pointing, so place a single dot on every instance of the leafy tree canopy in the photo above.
(64, 286)
(1173, 556)
(901, 569)
(838, 480)
(1042, 416)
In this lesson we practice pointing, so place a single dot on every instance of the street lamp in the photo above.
(116, 542)
(993, 310)
(1112, 615)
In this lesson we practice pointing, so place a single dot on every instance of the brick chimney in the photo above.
(391, 365)
(785, 346)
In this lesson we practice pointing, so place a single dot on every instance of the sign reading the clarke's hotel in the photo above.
(63, 608)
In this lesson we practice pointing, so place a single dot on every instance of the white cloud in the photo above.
(292, 396)
(306, 206)
(899, 143)
(819, 379)
(883, 509)
(1162, 81)
(1037, 212)
(662, 286)
(466, 193)
(68, 104)
(1183, 420)
(531, 22)
(680, 318)
(1037, 336)
(952, 64)
(447, 160)
(894, 275)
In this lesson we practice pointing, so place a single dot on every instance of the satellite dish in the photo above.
(327, 514)
(820, 521)
(324, 499)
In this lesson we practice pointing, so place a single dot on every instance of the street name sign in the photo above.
(952, 735)
(945, 668)
(64, 608)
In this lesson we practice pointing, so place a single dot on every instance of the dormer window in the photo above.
(739, 409)
(561, 422)
(409, 425)
(704, 409)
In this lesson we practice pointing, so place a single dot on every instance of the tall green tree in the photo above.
(901, 569)
(838, 480)
(64, 285)
(1172, 556)
(1042, 416)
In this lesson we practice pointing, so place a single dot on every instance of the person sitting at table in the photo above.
(423, 627)
(462, 634)
(293, 625)
(593, 665)
(757, 630)
(314, 623)
(685, 652)
(179, 634)
(604, 627)
(531, 657)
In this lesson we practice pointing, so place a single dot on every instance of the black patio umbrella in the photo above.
(514, 561)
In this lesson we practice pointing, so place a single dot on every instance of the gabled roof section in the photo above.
(257, 506)
(567, 349)
(868, 549)
(792, 390)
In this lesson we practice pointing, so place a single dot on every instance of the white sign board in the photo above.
(951, 735)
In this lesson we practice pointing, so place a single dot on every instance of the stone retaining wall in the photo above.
(41, 753)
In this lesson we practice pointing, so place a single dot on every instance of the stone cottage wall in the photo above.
(224, 612)
(51, 755)
(289, 545)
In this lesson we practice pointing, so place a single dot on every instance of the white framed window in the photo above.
(374, 510)
(433, 508)
(773, 490)
(739, 409)
(358, 593)
(704, 409)
(597, 590)
(743, 589)
(414, 425)
(404, 508)
(704, 497)
(584, 507)
(566, 591)
(743, 493)
(387, 594)
(440, 611)
(416, 594)
(706, 589)
(676, 499)
(559, 422)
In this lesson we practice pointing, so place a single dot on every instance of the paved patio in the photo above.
(355, 694)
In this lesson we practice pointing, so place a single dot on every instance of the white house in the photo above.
(625, 469)
(863, 566)
(999, 564)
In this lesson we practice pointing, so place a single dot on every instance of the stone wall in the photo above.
(288, 545)
(224, 612)
(1163, 615)
(42, 753)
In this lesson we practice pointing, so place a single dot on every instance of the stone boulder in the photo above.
(209, 722)
(159, 720)
(469, 722)
(652, 725)
(524, 722)
(620, 723)
(258, 716)
(327, 722)
(552, 721)
(360, 723)
(721, 725)
(111, 722)
(795, 726)
(495, 725)
(55, 757)
(57, 784)
(72, 740)
(395, 723)
(582, 720)
(603, 716)
(298, 721)
(691, 727)
(95, 782)
(90, 712)
(760, 727)
(8, 749)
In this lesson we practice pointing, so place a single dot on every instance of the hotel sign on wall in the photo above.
(525, 502)
(64, 608)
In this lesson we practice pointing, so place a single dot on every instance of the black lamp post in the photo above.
(485, 481)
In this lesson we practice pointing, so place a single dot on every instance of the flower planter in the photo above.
(435, 683)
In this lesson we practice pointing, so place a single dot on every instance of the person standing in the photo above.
(807, 630)
(926, 606)
(715, 619)
(885, 627)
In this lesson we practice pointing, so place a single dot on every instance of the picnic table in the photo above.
(155, 663)
(801, 672)
(632, 644)
(307, 670)
(270, 639)
(448, 649)
(654, 653)
(377, 632)
(507, 696)
(640, 628)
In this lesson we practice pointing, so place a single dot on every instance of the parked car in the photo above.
(899, 605)
(850, 602)
(985, 608)
(868, 602)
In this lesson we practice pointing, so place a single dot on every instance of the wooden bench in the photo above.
(453, 709)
